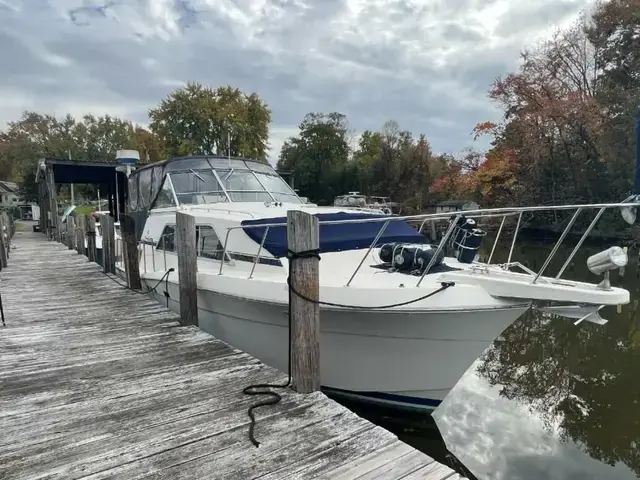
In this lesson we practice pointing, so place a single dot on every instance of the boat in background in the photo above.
(400, 321)
(364, 202)
(99, 235)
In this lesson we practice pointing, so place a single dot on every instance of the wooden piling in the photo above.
(81, 221)
(71, 232)
(108, 244)
(8, 231)
(3, 244)
(130, 251)
(54, 224)
(302, 236)
(91, 238)
(187, 267)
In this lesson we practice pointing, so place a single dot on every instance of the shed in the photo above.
(456, 206)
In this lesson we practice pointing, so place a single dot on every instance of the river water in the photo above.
(548, 399)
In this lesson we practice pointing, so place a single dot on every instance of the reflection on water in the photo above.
(548, 399)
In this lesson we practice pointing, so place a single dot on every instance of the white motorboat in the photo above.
(409, 355)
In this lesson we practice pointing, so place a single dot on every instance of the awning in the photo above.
(335, 237)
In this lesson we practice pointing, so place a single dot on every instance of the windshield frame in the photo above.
(229, 193)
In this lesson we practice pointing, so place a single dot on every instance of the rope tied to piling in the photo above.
(262, 388)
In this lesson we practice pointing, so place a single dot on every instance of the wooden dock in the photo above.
(97, 381)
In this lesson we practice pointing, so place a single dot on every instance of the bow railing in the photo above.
(452, 219)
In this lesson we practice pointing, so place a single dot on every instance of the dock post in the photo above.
(6, 230)
(187, 267)
(108, 244)
(80, 233)
(91, 238)
(130, 251)
(54, 225)
(303, 236)
(71, 232)
(3, 244)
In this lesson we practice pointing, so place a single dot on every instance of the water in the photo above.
(548, 400)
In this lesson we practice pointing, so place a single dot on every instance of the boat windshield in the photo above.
(202, 186)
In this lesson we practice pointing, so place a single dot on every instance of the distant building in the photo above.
(9, 195)
(456, 206)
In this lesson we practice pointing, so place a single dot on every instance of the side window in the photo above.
(167, 239)
(165, 197)
(207, 243)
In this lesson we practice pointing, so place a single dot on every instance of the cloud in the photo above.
(427, 64)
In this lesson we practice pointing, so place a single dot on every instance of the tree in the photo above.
(614, 31)
(319, 157)
(198, 120)
(93, 139)
(365, 157)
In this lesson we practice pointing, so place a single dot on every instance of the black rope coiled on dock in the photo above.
(259, 389)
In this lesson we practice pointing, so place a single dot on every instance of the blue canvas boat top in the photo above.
(335, 237)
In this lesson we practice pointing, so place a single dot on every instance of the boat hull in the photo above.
(402, 359)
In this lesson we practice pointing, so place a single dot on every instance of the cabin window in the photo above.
(226, 163)
(280, 190)
(133, 193)
(144, 188)
(260, 167)
(226, 180)
(167, 239)
(197, 187)
(243, 186)
(207, 243)
(165, 197)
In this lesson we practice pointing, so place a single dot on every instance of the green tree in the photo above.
(198, 120)
(93, 139)
(365, 157)
(319, 157)
(392, 163)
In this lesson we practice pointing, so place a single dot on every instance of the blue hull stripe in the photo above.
(426, 402)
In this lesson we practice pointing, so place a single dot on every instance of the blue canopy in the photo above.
(335, 237)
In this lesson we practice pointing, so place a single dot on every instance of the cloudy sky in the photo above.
(425, 63)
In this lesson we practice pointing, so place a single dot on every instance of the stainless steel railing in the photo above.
(452, 218)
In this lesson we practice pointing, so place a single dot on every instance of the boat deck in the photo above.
(97, 381)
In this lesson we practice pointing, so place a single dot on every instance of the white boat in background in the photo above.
(99, 230)
(68, 212)
(448, 310)
(358, 201)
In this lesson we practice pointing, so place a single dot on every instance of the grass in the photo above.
(20, 227)
(85, 210)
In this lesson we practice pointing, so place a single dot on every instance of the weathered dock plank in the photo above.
(97, 381)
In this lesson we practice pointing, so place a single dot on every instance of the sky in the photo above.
(427, 64)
